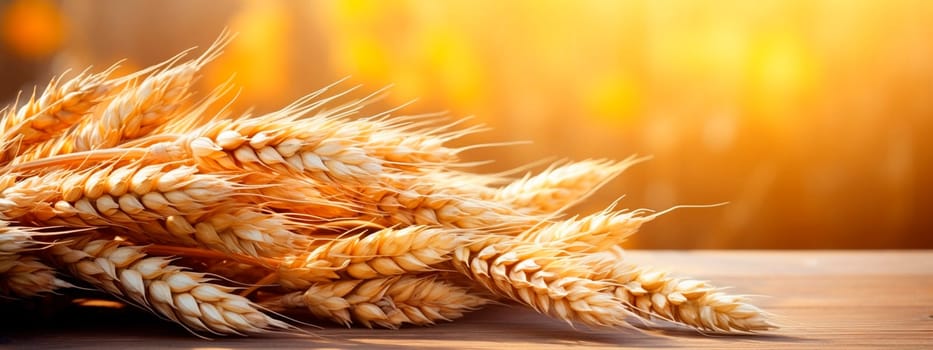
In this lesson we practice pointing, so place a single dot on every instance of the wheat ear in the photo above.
(153, 283)
(561, 186)
(22, 274)
(60, 106)
(385, 302)
(546, 278)
(383, 253)
(236, 229)
(593, 233)
(405, 200)
(116, 194)
(643, 291)
(133, 112)
(316, 201)
(652, 293)
(161, 203)
(305, 138)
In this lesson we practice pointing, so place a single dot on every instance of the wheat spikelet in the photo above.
(651, 293)
(392, 200)
(256, 144)
(385, 302)
(383, 253)
(153, 283)
(246, 230)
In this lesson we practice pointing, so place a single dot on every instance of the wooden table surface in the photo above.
(823, 299)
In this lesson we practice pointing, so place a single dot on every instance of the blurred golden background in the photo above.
(814, 119)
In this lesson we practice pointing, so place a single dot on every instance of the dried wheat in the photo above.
(652, 293)
(22, 274)
(363, 220)
(404, 200)
(545, 278)
(153, 283)
(306, 138)
(116, 194)
(384, 253)
(60, 106)
(385, 302)
(593, 233)
(165, 204)
(133, 112)
(559, 187)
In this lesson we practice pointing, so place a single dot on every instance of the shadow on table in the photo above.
(52, 324)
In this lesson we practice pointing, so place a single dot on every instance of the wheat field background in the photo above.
(810, 118)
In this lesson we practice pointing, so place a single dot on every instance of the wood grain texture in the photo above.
(823, 299)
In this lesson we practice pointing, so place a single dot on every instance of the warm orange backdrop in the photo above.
(814, 119)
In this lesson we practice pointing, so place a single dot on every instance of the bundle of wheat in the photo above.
(130, 186)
